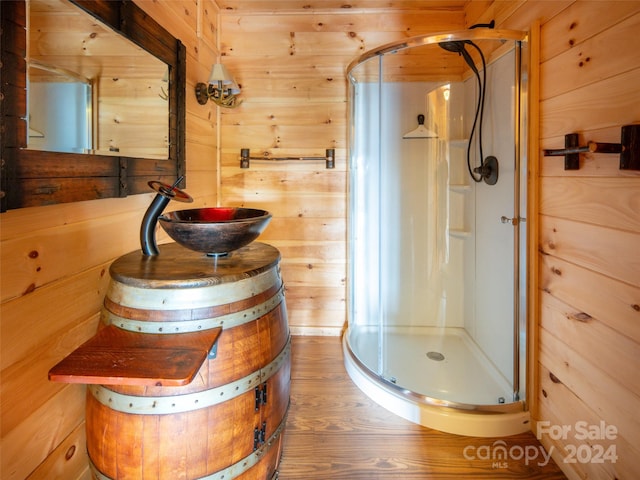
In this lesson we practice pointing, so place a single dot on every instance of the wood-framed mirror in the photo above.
(31, 175)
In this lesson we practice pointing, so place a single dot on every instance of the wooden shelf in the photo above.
(119, 357)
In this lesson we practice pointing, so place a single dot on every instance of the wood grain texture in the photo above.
(54, 272)
(68, 460)
(614, 303)
(587, 335)
(290, 60)
(176, 267)
(335, 432)
(593, 106)
(587, 245)
(563, 407)
(118, 357)
(597, 392)
(50, 303)
(589, 224)
(590, 61)
(334, 6)
(27, 378)
(615, 206)
(30, 447)
(190, 430)
(572, 26)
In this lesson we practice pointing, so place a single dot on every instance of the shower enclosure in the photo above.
(437, 230)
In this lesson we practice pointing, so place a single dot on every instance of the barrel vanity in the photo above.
(188, 376)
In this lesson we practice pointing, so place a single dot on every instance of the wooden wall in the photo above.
(586, 289)
(54, 273)
(589, 232)
(291, 67)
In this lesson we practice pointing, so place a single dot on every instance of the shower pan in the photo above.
(437, 230)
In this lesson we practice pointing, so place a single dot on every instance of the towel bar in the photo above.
(628, 148)
(245, 158)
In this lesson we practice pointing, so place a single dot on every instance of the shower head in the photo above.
(454, 46)
(458, 47)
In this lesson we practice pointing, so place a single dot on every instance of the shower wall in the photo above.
(492, 325)
(62, 118)
(440, 255)
(395, 244)
(413, 209)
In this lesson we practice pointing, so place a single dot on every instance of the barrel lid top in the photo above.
(178, 267)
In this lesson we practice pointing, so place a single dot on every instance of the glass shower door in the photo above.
(434, 256)
(364, 195)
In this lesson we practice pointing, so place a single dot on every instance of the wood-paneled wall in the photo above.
(54, 274)
(587, 285)
(589, 232)
(291, 67)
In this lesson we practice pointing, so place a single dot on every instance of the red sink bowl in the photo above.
(217, 230)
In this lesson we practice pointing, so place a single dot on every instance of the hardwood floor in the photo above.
(334, 431)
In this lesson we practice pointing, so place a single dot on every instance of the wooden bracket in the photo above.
(628, 149)
(123, 165)
(630, 155)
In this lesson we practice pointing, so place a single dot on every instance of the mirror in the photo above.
(91, 90)
(93, 102)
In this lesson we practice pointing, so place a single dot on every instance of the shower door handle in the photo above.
(513, 221)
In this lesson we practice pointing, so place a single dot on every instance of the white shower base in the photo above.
(461, 393)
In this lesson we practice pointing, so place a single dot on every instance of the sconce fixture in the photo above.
(221, 88)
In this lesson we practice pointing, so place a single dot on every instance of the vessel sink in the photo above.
(216, 230)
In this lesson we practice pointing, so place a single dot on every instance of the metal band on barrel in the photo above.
(185, 326)
(231, 471)
(134, 404)
(198, 297)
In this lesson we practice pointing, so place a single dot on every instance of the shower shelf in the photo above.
(459, 232)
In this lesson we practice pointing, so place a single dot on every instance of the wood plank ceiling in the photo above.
(286, 6)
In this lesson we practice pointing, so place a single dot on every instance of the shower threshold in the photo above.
(435, 377)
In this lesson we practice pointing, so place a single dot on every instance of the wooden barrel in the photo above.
(228, 422)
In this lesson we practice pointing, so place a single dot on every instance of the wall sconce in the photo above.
(221, 88)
